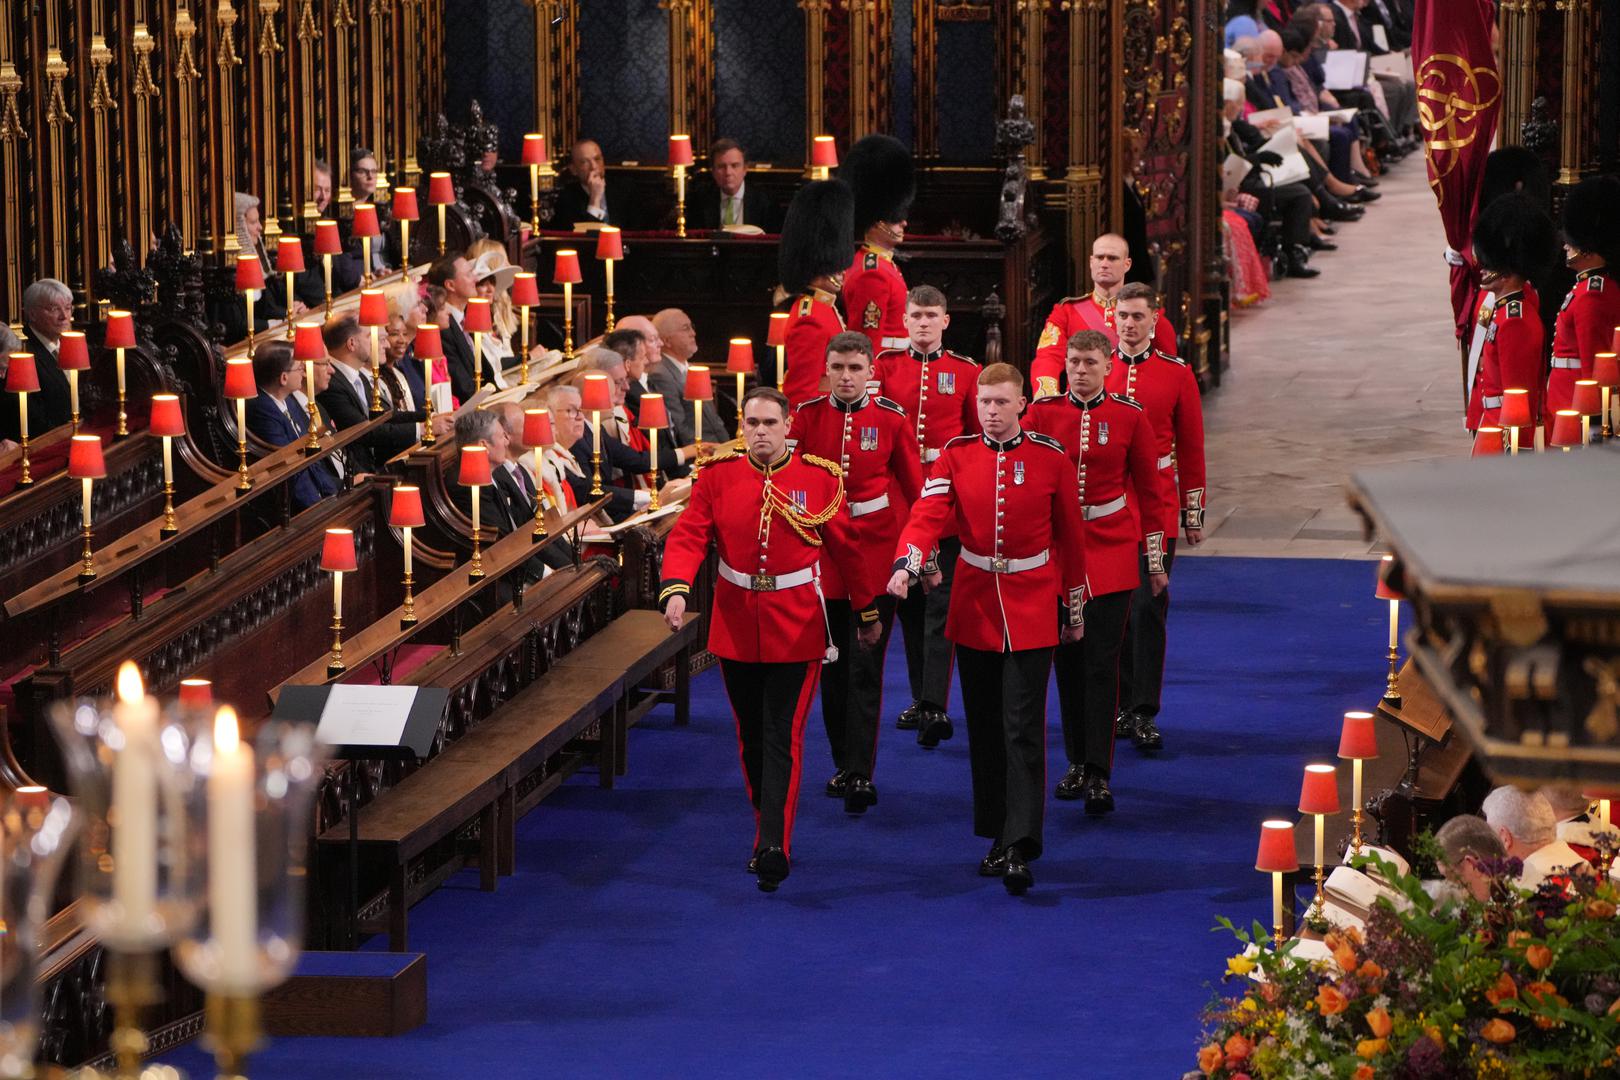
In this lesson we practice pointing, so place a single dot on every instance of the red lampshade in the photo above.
(740, 358)
(196, 693)
(777, 335)
(290, 255)
(328, 241)
(1358, 739)
(610, 242)
(596, 394)
(1614, 342)
(1383, 591)
(823, 151)
(653, 412)
(429, 343)
(73, 352)
(476, 319)
(166, 416)
(337, 552)
(1566, 428)
(374, 307)
(1488, 442)
(474, 471)
(680, 149)
(441, 190)
(537, 428)
(30, 800)
(405, 508)
(1277, 853)
(120, 330)
(1606, 369)
(365, 220)
(1515, 408)
(405, 208)
(1588, 399)
(698, 385)
(22, 376)
(308, 344)
(1319, 794)
(249, 274)
(239, 378)
(534, 149)
(525, 290)
(84, 458)
(566, 268)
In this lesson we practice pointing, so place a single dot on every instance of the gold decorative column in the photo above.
(1024, 61)
(101, 103)
(185, 155)
(142, 90)
(410, 169)
(869, 63)
(378, 95)
(925, 78)
(225, 59)
(308, 34)
(337, 100)
(556, 88)
(59, 120)
(1579, 88)
(12, 134)
(1516, 21)
(269, 115)
(815, 87)
(691, 69)
(1090, 143)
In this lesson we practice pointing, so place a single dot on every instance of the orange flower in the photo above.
(1238, 1048)
(1354, 935)
(1516, 937)
(1345, 956)
(1370, 971)
(1371, 1048)
(1536, 991)
(1379, 1023)
(1599, 909)
(1539, 957)
(1503, 989)
(1435, 1037)
(1330, 1000)
(1363, 1072)
(1333, 940)
(1499, 1032)
(1210, 1058)
(1269, 993)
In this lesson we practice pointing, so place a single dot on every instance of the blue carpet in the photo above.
(631, 942)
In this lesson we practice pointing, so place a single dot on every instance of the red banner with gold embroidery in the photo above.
(1459, 94)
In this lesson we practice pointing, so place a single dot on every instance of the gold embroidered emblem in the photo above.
(1049, 336)
(872, 317)
(1457, 101)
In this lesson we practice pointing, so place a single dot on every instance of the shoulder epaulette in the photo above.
(807, 304)
(1046, 441)
(809, 401)
(831, 466)
(727, 453)
(960, 438)
(884, 403)
(1513, 309)
(1123, 400)
(1167, 356)
(888, 352)
(964, 359)
(1048, 397)
(1594, 283)
(1073, 299)
(870, 262)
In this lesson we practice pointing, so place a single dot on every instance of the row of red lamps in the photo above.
(1571, 427)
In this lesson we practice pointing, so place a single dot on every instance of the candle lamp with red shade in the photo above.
(653, 416)
(1385, 591)
(1358, 742)
(1319, 797)
(1277, 857)
(289, 262)
(405, 212)
(169, 424)
(565, 272)
(776, 338)
(86, 464)
(537, 435)
(241, 388)
(73, 356)
(1606, 370)
(1587, 401)
(366, 226)
(823, 156)
(740, 362)
(680, 156)
(475, 473)
(525, 297)
(1515, 415)
(121, 337)
(429, 347)
(1566, 429)
(539, 163)
(596, 398)
(477, 321)
(374, 316)
(698, 389)
(441, 193)
(610, 249)
(405, 514)
(1488, 442)
(338, 558)
(309, 348)
(22, 379)
(328, 242)
(197, 694)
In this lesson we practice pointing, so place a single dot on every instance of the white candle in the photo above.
(326, 264)
(251, 325)
(168, 459)
(652, 434)
(241, 420)
(22, 412)
(376, 356)
(337, 594)
(1603, 812)
(680, 182)
(1318, 818)
(365, 254)
(405, 241)
(609, 263)
(87, 483)
(596, 431)
(233, 879)
(1355, 784)
(407, 551)
(697, 422)
(781, 364)
(135, 803)
(1394, 623)
(478, 361)
(1276, 905)
(73, 390)
(121, 351)
(475, 513)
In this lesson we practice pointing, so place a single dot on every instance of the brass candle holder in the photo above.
(240, 387)
(405, 513)
(120, 336)
(1358, 742)
(338, 557)
(168, 423)
(1318, 797)
(233, 1032)
(132, 987)
(87, 465)
(22, 378)
(1384, 591)
(680, 156)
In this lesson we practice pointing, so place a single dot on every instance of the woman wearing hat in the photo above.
(494, 276)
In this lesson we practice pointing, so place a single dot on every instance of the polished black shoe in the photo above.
(995, 863)
(935, 728)
(1328, 230)
(1147, 737)
(753, 863)
(837, 785)
(1017, 877)
(1099, 799)
(1124, 724)
(1068, 788)
(1363, 194)
(1339, 211)
(771, 864)
(1319, 244)
(1298, 269)
(910, 717)
(858, 794)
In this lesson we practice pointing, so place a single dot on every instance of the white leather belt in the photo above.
(861, 509)
(1167, 461)
(930, 454)
(1491, 402)
(999, 565)
(1567, 362)
(1102, 510)
(768, 582)
(896, 342)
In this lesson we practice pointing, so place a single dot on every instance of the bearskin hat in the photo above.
(818, 234)
(1514, 236)
(880, 169)
(1592, 216)
(1514, 168)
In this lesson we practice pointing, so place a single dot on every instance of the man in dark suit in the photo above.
(454, 274)
(676, 344)
(517, 483)
(506, 504)
(590, 196)
(347, 400)
(278, 420)
(47, 312)
(726, 199)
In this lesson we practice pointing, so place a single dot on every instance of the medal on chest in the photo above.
(946, 382)
(1018, 472)
(1102, 433)
(801, 500)
(869, 438)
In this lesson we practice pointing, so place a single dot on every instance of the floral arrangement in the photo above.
(1523, 986)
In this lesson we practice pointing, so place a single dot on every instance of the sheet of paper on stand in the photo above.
(1344, 69)
(1396, 65)
(365, 715)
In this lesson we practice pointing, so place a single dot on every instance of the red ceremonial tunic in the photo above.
(875, 298)
(812, 322)
(756, 540)
(1511, 357)
(1585, 328)
(871, 441)
(939, 393)
(1168, 390)
(1109, 440)
(1007, 501)
(1071, 315)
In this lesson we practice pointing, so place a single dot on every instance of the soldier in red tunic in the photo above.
(1167, 390)
(870, 438)
(1513, 241)
(1010, 495)
(769, 513)
(938, 391)
(1110, 442)
(1591, 311)
(879, 169)
(1110, 261)
(816, 248)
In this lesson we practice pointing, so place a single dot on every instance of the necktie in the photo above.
(729, 217)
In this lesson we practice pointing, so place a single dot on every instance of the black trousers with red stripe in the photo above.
(1088, 682)
(922, 621)
(770, 703)
(852, 688)
(1141, 664)
(1004, 696)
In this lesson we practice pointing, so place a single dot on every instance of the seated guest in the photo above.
(454, 274)
(631, 449)
(493, 275)
(401, 372)
(345, 267)
(276, 419)
(652, 352)
(1256, 199)
(1467, 844)
(624, 499)
(1576, 825)
(588, 195)
(559, 467)
(47, 312)
(516, 476)
(270, 305)
(678, 343)
(363, 174)
(1528, 828)
(348, 399)
(631, 346)
(726, 199)
(1241, 20)
(498, 507)
(1352, 29)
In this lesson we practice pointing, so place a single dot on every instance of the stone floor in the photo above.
(1355, 368)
